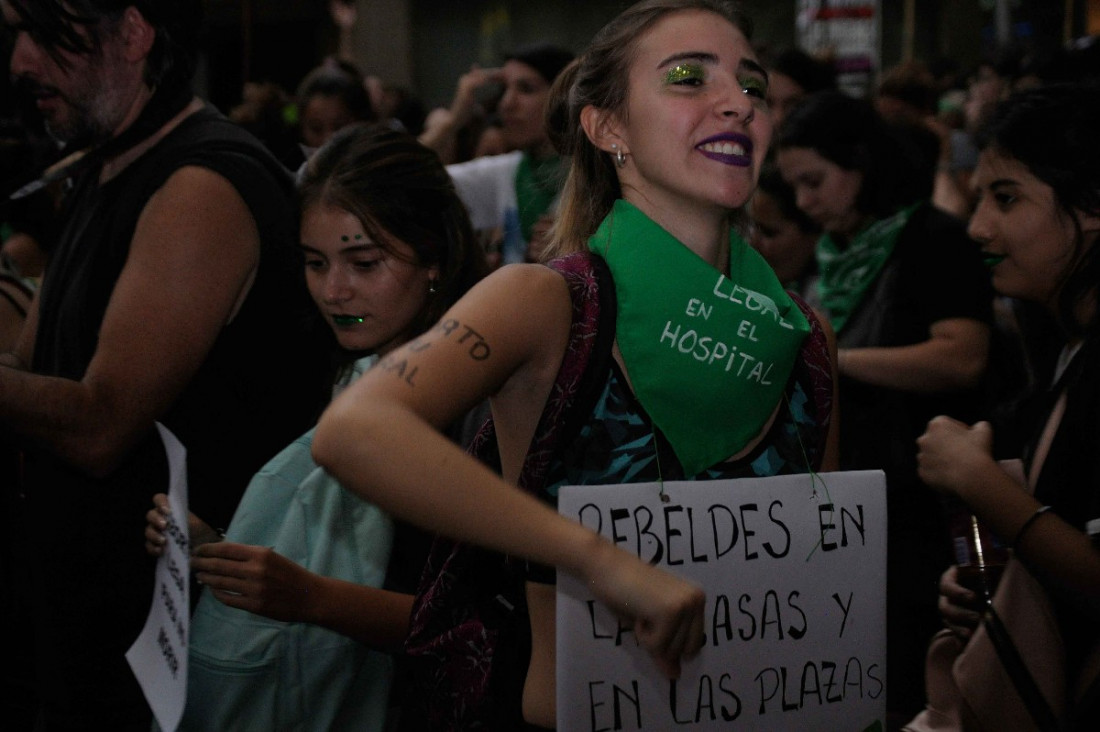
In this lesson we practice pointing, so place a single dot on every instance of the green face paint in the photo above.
(754, 86)
(684, 73)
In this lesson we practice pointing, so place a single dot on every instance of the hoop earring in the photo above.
(620, 156)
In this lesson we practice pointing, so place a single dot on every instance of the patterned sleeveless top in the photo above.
(469, 632)
(619, 444)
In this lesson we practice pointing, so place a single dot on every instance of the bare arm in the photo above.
(439, 134)
(954, 357)
(948, 191)
(191, 259)
(390, 453)
(261, 581)
(19, 357)
(958, 459)
(11, 319)
(344, 13)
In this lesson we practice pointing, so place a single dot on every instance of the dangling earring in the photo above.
(620, 156)
(431, 286)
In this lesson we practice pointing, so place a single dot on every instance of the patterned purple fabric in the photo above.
(815, 359)
(464, 609)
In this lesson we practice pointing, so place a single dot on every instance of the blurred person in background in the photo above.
(909, 297)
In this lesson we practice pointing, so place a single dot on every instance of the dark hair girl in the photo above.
(664, 124)
(1037, 219)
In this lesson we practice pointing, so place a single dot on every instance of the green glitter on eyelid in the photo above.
(752, 82)
(683, 72)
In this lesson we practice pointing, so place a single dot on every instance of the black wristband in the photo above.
(1027, 524)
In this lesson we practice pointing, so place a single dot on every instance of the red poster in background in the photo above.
(848, 33)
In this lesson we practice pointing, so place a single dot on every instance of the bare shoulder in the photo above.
(199, 212)
(541, 286)
(193, 193)
(193, 255)
(527, 311)
(528, 302)
(506, 336)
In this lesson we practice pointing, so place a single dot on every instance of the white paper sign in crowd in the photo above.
(794, 569)
(159, 655)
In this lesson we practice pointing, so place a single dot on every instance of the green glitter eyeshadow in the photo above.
(683, 72)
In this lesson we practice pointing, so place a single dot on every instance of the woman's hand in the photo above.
(256, 579)
(156, 522)
(665, 610)
(958, 606)
(442, 125)
(465, 101)
(952, 457)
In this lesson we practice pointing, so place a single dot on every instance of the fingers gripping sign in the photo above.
(159, 655)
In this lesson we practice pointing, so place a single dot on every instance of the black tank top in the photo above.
(263, 383)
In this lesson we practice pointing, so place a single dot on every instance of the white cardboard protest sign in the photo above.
(159, 655)
(794, 568)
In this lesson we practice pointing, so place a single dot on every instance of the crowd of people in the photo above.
(387, 337)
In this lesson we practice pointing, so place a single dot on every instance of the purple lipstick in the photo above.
(727, 148)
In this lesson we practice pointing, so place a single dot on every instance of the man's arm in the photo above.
(21, 353)
(954, 357)
(194, 252)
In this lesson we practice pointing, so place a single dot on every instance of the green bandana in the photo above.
(847, 273)
(708, 356)
(537, 185)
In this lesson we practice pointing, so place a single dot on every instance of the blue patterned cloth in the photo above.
(618, 444)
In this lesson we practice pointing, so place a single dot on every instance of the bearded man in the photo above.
(174, 295)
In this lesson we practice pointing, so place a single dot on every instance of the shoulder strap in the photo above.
(578, 382)
(580, 378)
(814, 358)
(1014, 664)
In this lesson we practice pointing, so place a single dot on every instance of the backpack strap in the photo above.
(469, 632)
(579, 380)
(815, 359)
